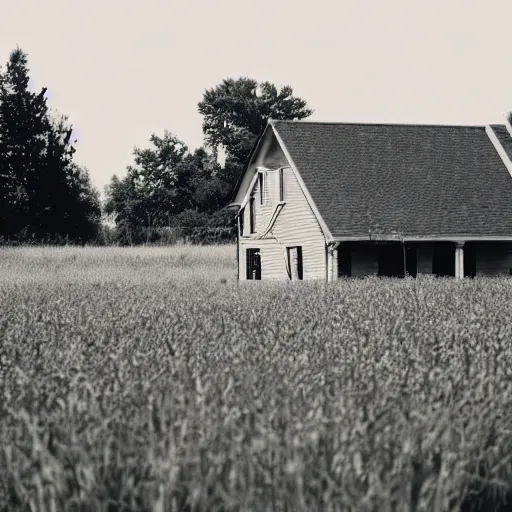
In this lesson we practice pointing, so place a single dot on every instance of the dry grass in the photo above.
(134, 379)
(117, 264)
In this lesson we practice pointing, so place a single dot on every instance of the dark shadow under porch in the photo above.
(444, 258)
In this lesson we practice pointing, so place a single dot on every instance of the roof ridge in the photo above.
(416, 125)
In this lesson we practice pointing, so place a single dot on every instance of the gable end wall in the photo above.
(296, 225)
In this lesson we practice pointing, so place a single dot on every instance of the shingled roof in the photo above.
(403, 180)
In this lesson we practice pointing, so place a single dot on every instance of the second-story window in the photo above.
(281, 184)
(263, 186)
(252, 215)
(241, 221)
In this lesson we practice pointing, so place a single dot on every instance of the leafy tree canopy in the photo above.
(165, 180)
(236, 111)
(170, 186)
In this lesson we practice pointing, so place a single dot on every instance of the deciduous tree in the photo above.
(236, 111)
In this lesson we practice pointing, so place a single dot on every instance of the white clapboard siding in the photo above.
(246, 219)
(264, 211)
(274, 157)
(241, 260)
(492, 259)
(273, 262)
(270, 156)
(297, 225)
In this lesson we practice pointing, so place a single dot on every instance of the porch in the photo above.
(441, 258)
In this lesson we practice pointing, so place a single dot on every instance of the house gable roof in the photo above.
(404, 181)
(504, 138)
(266, 151)
(235, 199)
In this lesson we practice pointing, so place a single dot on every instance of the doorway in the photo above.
(295, 263)
(253, 264)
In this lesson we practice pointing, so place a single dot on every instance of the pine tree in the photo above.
(43, 194)
(23, 127)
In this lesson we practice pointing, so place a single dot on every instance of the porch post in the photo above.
(459, 260)
(329, 264)
(332, 261)
(238, 246)
(335, 262)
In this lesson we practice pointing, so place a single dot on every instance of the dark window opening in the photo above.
(241, 221)
(391, 260)
(252, 213)
(469, 260)
(295, 263)
(444, 259)
(281, 184)
(253, 264)
(261, 183)
(344, 260)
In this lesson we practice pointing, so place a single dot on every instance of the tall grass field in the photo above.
(149, 379)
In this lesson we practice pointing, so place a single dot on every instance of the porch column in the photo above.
(334, 273)
(459, 260)
(329, 264)
(332, 261)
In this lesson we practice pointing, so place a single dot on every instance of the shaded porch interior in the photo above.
(398, 259)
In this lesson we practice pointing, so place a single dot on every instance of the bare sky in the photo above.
(124, 69)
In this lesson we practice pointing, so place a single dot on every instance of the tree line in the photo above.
(169, 192)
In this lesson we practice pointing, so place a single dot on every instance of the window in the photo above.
(252, 215)
(295, 263)
(253, 264)
(241, 221)
(281, 184)
(261, 184)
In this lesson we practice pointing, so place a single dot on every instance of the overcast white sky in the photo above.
(124, 69)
